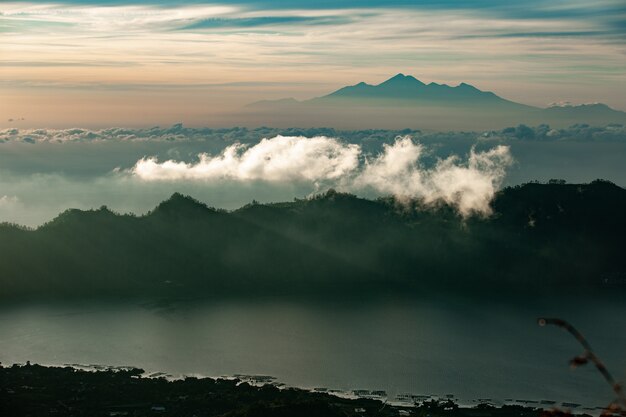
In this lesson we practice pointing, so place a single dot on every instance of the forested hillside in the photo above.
(545, 237)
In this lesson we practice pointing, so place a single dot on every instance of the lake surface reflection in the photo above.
(434, 347)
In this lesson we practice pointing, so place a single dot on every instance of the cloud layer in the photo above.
(327, 162)
(178, 133)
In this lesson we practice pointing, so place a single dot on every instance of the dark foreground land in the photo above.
(540, 238)
(33, 390)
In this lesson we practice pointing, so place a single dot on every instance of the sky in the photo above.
(68, 63)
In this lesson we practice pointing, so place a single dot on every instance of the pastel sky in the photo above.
(100, 63)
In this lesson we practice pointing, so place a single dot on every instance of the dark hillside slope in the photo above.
(549, 237)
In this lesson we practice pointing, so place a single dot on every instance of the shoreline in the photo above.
(23, 386)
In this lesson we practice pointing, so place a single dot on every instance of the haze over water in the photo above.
(428, 346)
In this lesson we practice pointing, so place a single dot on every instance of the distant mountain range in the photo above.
(542, 237)
(404, 101)
(410, 90)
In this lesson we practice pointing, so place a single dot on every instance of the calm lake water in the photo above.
(438, 347)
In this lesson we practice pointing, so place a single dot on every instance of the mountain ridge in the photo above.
(404, 100)
(541, 237)
(401, 86)
(407, 87)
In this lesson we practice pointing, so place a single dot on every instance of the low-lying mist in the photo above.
(44, 171)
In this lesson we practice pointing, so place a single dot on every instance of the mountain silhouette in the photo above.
(584, 111)
(541, 237)
(403, 101)
(408, 88)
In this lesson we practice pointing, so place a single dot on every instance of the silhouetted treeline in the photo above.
(548, 237)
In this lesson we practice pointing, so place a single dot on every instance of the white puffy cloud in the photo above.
(282, 158)
(395, 171)
(469, 185)
(7, 201)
